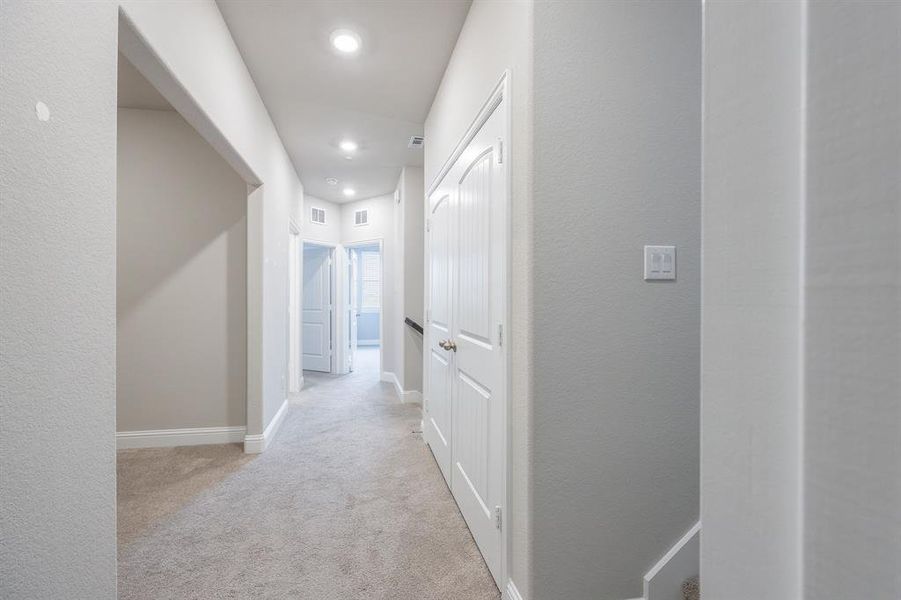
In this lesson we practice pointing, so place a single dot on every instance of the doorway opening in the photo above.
(363, 337)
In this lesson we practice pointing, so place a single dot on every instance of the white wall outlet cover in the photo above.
(659, 263)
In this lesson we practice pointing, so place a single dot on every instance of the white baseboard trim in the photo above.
(411, 396)
(510, 592)
(389, 377)
(255, 444)
(682, 561)
(166, 438)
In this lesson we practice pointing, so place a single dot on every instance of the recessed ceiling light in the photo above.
(348, 145)
(331, 181)
(345, 41)
(349, 192)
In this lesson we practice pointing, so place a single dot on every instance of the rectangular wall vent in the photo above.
(361, 217)
(317, 215)
(416, 141)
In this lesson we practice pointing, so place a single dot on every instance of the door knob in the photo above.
(448, 345)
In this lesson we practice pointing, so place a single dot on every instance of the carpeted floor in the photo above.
(347, 503)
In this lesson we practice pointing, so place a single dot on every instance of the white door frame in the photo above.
(499, 95)
(380, 242)
(333, 330)
(295, 304)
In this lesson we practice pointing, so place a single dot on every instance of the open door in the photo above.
(353, 305)
(317, 309)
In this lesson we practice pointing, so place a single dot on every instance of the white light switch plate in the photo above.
(659, 262)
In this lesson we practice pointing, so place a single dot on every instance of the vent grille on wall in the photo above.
(317, 215)
(361, 217)
(416, 141)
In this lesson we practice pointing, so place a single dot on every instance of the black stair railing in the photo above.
(416, 326)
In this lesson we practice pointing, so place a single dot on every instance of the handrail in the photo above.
(413, 324)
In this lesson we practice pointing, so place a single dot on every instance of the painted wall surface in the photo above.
(497, 36)
(181, 278)
(412, 209)
(57, 300)
(330, 232)
(752, 317)
(368, 328)
(852, 371)
(214, 91)
(381, 225)
(617, 147)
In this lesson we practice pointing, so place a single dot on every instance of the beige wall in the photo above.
(181, 289)
(495, 37)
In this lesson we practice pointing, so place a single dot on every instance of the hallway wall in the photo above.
(801, 421)
(753, 206)
(381, 225)
(181, 278)
(616, 359)
(330, 232)
(411, 233)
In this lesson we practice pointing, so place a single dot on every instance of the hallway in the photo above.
(347, 503)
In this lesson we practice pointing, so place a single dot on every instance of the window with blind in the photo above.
(370, 280)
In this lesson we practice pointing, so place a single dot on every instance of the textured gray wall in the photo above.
(413, 202)
(616, 359)
(852, 412)
(751, 331)
(58, 300)
(182, 282)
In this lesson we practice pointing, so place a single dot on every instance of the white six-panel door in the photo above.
(465, 410)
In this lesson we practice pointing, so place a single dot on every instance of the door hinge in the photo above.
(428, 314)
(428, 224)
(498, 517)
(500, 335)
(500, 151)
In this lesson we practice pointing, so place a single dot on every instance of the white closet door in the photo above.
(479, 283)
(465, 415)
(317, 310)
(437, 430)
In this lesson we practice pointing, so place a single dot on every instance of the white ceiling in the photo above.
(378, 98)
(136, 92)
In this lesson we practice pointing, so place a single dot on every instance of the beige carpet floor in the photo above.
(347, 503)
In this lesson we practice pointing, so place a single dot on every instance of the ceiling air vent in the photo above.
(317, 215)
(361, 217)
(416, 141)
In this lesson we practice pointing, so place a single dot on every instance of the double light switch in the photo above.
(659, 262)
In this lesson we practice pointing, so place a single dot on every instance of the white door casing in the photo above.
(317, 309)
(465, 407)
